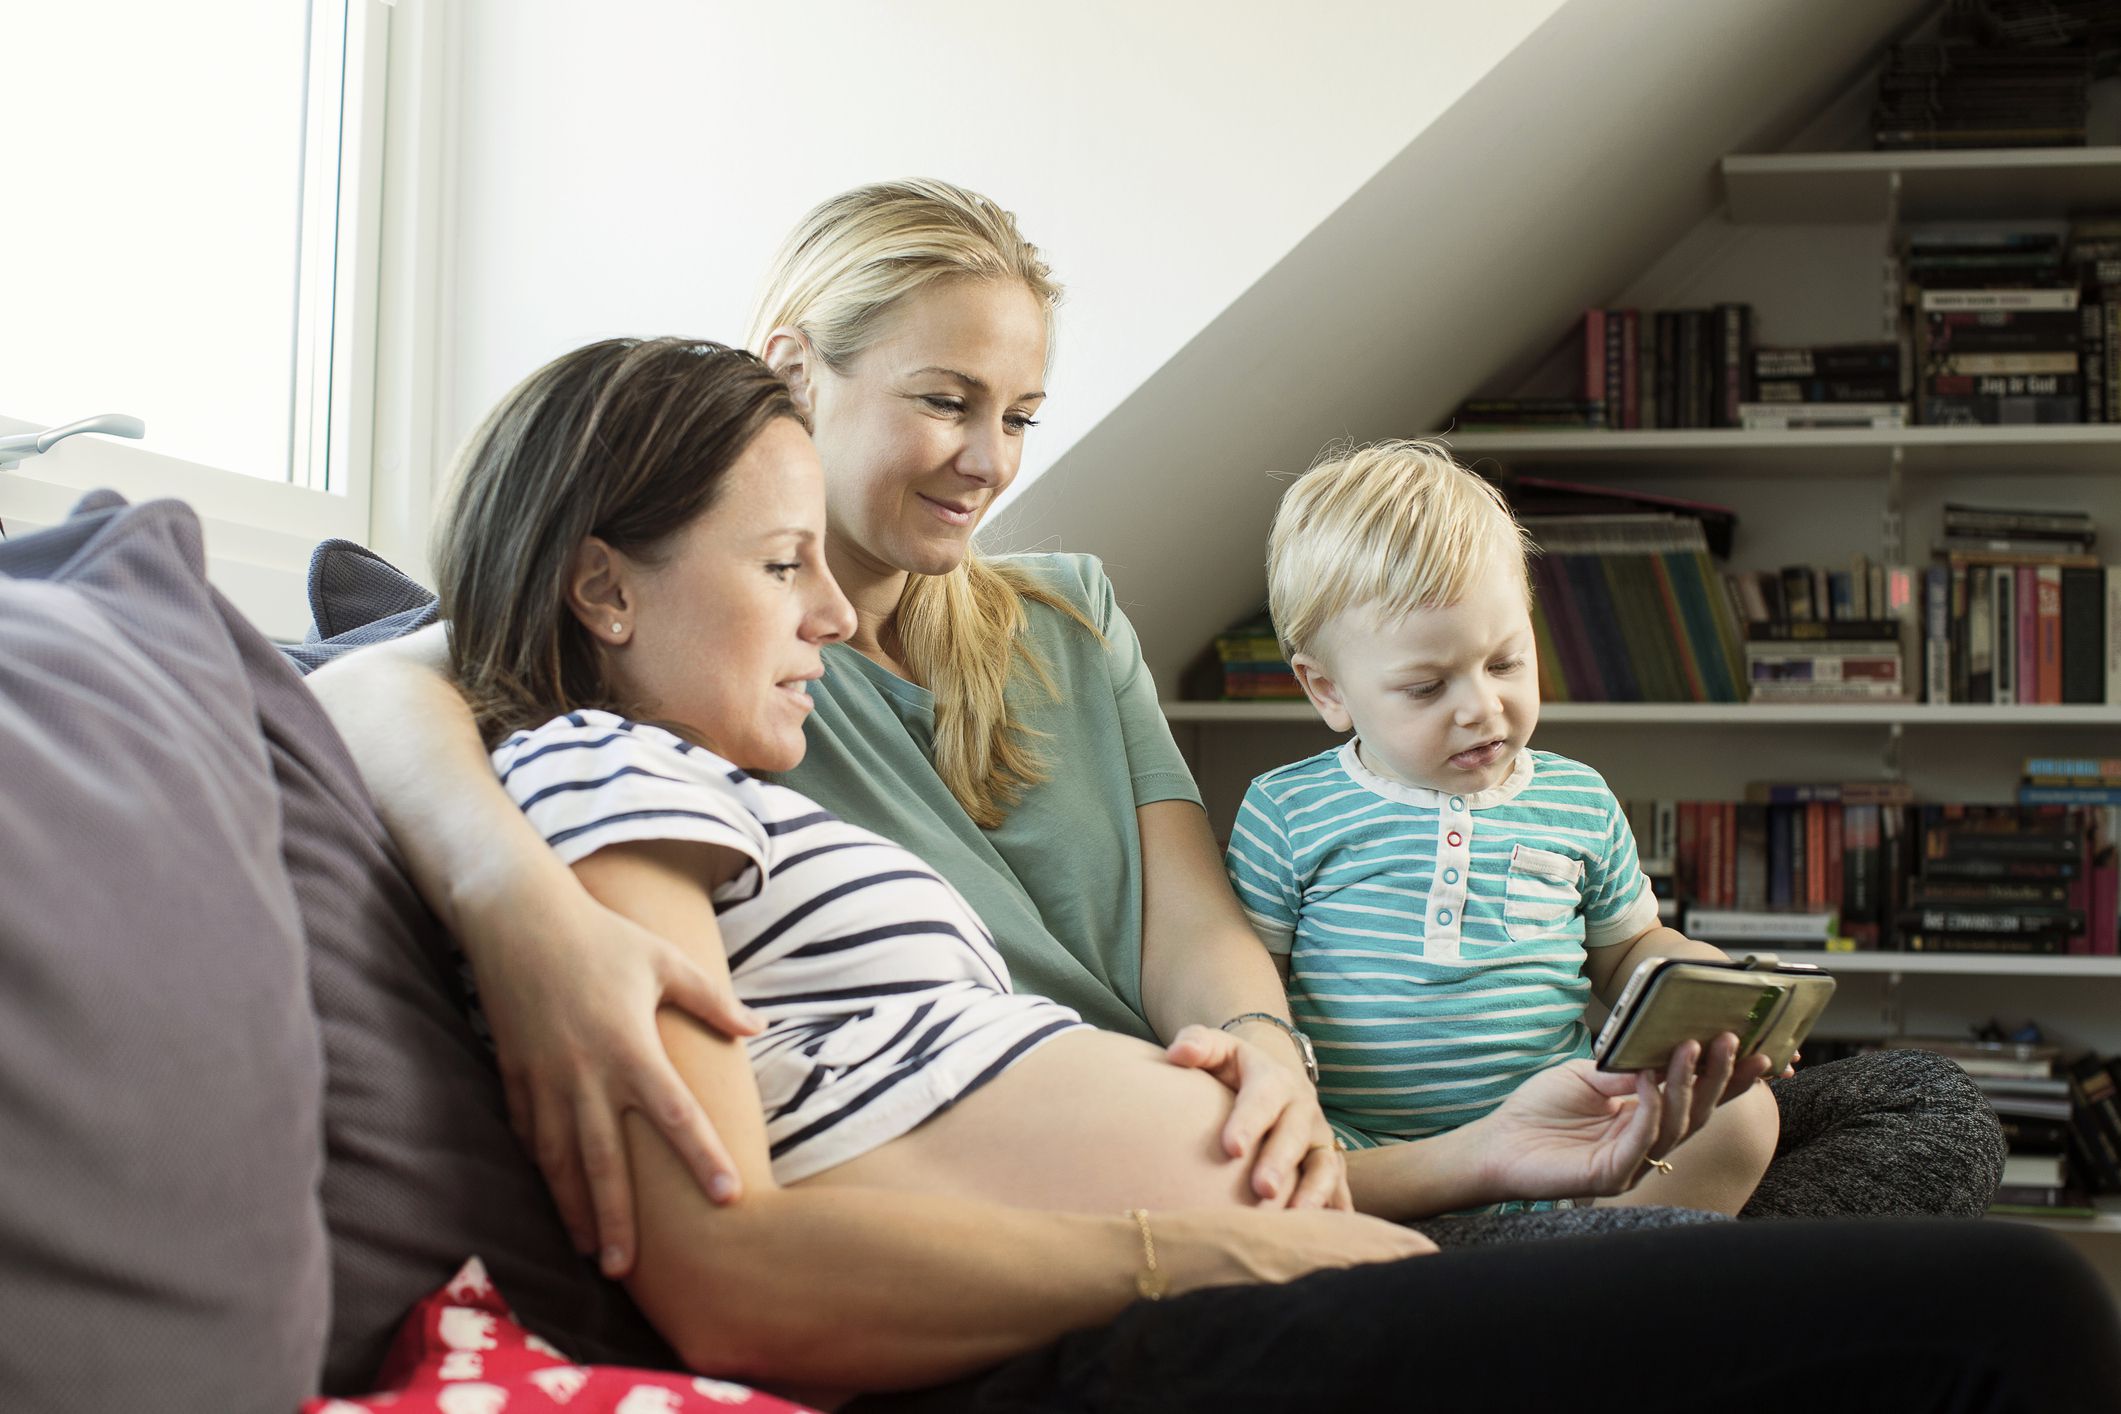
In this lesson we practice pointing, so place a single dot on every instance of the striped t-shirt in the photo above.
(884, 1000)
(1435, 941)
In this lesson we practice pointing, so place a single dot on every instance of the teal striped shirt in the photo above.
(1435, 942)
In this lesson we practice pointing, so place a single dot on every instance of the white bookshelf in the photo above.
(2092, 449)
(1803, 239)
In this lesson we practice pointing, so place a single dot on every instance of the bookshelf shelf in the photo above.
(1908, 964)
(1784, 188)
(2105, 1219)
(2081, 449)
(1685, 714)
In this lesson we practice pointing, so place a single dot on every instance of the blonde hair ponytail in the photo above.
(847, 264)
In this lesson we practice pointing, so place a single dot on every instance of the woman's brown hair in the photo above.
(627, 440)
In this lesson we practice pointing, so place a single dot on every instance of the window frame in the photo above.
(371, 447)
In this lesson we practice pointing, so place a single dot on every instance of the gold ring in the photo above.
(1662, 1166)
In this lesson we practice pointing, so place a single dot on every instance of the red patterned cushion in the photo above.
(462, 1352)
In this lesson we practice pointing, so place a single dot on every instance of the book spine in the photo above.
(1686, 854)
(2091, 333)
(1630, 369)
(1615, 370)
(1936, 638)
(2003, 587)
(2025, 603)
(2113, 633)
(2047, 587)
(2083, 630)
(1958, 649)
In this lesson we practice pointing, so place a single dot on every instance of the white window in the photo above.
(194, 240)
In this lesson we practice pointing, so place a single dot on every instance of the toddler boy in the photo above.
(1441, 898)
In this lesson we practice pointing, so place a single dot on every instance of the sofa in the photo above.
(245, 1126)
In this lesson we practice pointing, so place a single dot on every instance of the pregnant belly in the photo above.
(1092, 1121)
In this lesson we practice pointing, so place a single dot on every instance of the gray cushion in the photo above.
(161, 1243)
(423, 1170)
(356, 597)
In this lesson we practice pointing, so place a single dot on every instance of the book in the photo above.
(1949, 300)
(2027, 944)
(1773, 417)
(1809, 929)
(2083, 633)
(2073, 766)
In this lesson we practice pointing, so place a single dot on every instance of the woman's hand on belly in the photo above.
(1091, 1122)
(1276, 1117)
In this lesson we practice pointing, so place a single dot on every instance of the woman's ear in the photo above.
(1323, 691)
(598, 593)
(789, 354)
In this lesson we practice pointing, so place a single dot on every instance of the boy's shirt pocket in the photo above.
(1542, 894)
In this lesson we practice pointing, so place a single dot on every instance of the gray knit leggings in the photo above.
(1889, 1133)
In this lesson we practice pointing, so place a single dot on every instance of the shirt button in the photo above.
(1443, 915)
(1454, 838)
(1458, 802)
(1450, 876)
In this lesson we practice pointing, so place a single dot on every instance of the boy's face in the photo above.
(1443, 698)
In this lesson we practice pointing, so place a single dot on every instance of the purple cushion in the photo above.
(161, 1241)
(423, 1170)
(173, 782)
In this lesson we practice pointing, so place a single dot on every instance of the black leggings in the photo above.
(1871, 1316)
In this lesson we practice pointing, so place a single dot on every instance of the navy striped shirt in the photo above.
(884, 998)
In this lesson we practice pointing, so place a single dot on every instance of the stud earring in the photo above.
(618, 630)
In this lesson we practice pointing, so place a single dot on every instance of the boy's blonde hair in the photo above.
(1399, 525)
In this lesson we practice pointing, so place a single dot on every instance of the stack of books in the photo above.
(1830, 385)
(1999, 357)
(2093, 255)
(1815, 634)
(2000, 879)
(2019, 610)
(1858, 865)
(1946, 94)
(1253, 669)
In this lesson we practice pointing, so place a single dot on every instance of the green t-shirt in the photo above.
(1059, 884)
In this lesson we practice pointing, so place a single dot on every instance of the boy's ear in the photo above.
(598, 594)
(788, 353)
(1323, 691)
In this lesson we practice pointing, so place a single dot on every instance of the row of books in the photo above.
(1973, 86)
(2005, 326)
(1862, 866)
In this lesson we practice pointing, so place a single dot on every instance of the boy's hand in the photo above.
(1275, 1114)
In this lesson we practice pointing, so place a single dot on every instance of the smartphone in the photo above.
(1769, 1005)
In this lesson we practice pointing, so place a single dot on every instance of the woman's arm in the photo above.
(1201, 965)
(867, 1289)
(570, 989)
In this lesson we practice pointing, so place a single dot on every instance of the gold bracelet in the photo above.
(1150, 1284)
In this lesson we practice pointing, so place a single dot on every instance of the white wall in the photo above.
(630, 167)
